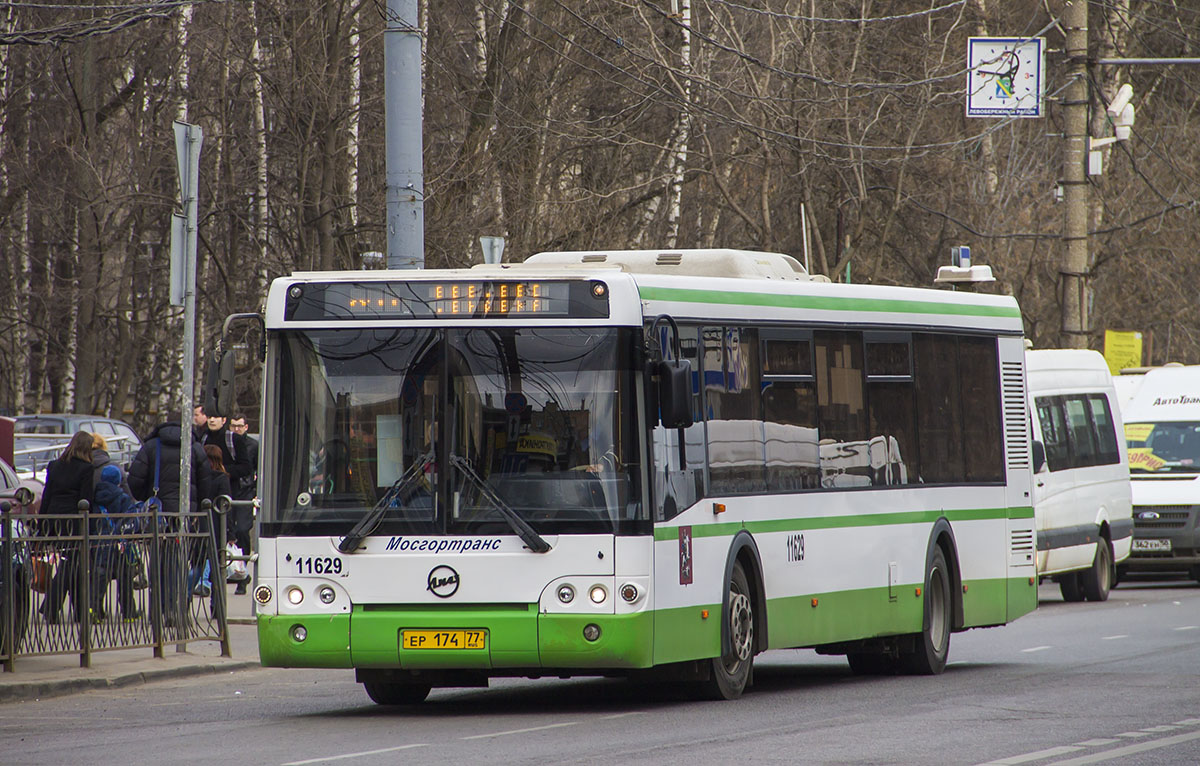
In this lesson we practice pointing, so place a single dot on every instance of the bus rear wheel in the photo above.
(731, 671)
(933, 642)
(387, 693)
(1097, 581)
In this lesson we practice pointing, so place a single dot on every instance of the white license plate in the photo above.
(1152, 546)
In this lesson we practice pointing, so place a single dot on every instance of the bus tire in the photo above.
(1097, 581)
(731, 671)
(933, 642)
(1069, 585)
(387, 693)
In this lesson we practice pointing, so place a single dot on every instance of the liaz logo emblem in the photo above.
(443, 581)
(1148, 515)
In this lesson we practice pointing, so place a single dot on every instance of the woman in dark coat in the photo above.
(68, 481)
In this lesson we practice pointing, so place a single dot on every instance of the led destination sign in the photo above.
(458, 299)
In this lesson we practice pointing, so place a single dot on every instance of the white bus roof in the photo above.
(1067, 370)
(722, 285)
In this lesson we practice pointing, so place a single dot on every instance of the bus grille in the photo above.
(1022, 540)
(1016, 435)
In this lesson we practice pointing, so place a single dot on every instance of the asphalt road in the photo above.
(1117, 682)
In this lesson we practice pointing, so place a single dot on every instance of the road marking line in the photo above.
(1036, 648)
(522, 731)
(618, 715)
(1188, 722)
(1047, 753)
(1121, 752)
(1097, 742)
(1134, 734)
(344, 756)
(1114, 638)
(1188, 627)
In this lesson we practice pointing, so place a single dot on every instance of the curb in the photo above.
(32, 690)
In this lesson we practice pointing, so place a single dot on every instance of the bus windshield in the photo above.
(448, 431)
(1172, 447)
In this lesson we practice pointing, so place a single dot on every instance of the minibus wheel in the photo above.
(1097, 581)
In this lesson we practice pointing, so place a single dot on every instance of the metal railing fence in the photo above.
(88, 582)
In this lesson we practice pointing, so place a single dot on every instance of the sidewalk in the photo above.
(53, 676)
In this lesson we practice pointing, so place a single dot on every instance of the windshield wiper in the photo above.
(527, 534)
(369, 523)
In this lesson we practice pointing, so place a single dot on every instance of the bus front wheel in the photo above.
(731, 671)
(386, 693)
(933, 642)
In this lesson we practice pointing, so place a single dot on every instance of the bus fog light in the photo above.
(326, 594)
(566, 594)
(597, 594)
(295, 595)
(591, 631)
(262, 594)
(630, 592)
(299, 633)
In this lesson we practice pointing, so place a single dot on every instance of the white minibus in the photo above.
(1081, 488)
(1162, 428)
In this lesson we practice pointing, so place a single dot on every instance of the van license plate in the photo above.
(445, 639)
(1152, 546)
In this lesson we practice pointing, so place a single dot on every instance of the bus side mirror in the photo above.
(1039, 456)
(218, 388)
(675, 393)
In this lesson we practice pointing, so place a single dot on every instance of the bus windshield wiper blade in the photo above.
(527, 534)
(369, 523)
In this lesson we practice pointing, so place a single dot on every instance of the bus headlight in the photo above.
(630, 592)
(294, 595)
(299, 633)
(326, 594)
(262, 594)
(597, 594)
(566, 594)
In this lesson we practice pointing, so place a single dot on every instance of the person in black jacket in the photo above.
(68, 481)
(160, 453)
(242, 520)
(167, 437)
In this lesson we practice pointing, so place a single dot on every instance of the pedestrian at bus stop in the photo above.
(199, 423)
(68, 481)
(242, 517)
(110, 560)
(159, 458)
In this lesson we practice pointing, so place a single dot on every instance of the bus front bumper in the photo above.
(516, 637)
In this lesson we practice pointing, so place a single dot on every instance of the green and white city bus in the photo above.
(638, 463)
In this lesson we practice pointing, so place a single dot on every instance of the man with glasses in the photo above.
(245, 489)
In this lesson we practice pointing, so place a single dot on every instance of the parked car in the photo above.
(123, 441)
(33, 452)
(24, 496)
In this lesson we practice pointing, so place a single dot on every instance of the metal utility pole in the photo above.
(1074, 271)
(402, 131)
(188, 139)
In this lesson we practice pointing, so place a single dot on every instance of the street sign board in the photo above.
(1006, 76)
